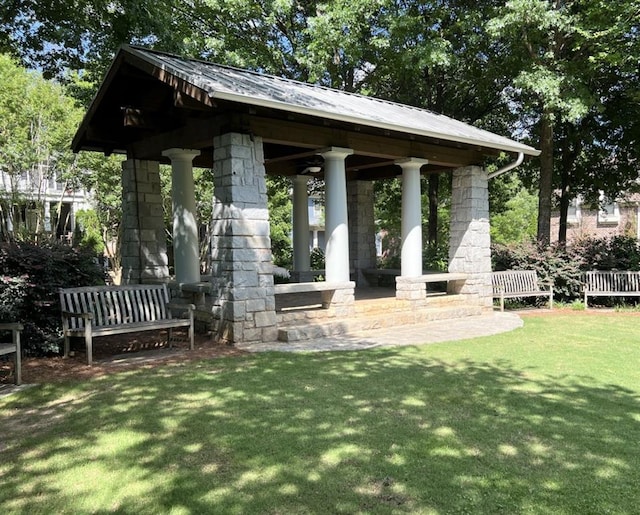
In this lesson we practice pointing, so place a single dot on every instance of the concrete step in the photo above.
(310, 329)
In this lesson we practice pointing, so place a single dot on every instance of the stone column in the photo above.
(470, 241)
(362, 229)
(411, 254)
(301, 254)
(242, 271)
(336, 218)
(144, 246)
(186, 249)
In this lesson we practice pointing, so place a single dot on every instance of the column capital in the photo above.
(411, 162)
(181, 154)
(335, 152)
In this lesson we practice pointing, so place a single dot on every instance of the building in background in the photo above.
(37, 202)
(606, 219)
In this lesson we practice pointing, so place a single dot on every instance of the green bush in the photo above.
(614, 253)
(317, 259)
(29, 284)
(553, 263)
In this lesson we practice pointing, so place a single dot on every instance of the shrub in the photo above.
(317, 259)
(31, 277)
(614, 253)
(553, 263)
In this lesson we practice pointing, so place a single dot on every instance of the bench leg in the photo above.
(88, 342)
(551, 300)
(67, 345)
(501, 302)
(18, 359)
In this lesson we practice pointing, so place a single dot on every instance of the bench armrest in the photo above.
(71, 314)
(189, 308)
(12, 326)
(174, 305)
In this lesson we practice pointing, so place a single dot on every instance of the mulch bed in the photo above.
(114, 354)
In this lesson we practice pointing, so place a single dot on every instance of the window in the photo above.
(574, 211)
(608, 212)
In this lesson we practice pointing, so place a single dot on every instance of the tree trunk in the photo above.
(565, 199)
(434, 183)
(546, 178)
(565, 187)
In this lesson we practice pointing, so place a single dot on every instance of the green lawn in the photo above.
(545, 419)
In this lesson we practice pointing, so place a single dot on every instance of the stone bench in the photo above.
(105, 310)
(328, 290)
(415, 287)
(599, 283)
(511, 284)
(13, 347)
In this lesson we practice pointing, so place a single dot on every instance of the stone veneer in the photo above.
(241, 267)
(470, 241)
(362, 229)
(144, 248)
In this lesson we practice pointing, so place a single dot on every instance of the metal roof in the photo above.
(252, 88)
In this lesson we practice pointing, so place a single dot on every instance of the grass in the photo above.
(545, 419)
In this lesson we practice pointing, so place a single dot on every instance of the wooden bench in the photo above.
(599, 283)
(105, 310)
(13, 348)
(519, 283)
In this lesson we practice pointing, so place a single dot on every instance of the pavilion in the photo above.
(157, 108)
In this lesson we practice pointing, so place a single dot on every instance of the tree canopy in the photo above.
(560, 74)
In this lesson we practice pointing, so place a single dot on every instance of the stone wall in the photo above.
(470, 240)
(241, 266)
(144, 246)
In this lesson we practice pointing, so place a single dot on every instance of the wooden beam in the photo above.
(197, 134)
(285, 132)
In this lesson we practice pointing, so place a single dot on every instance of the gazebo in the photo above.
(157, 108)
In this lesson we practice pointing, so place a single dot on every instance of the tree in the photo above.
(37, 121)
(557, 51)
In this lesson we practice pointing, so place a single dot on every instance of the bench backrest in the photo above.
(598, 280)
(514, 281)
(116, 305)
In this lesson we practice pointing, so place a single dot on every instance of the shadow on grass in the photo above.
(379, 431)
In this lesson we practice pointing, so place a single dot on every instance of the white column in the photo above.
(336, 226)
(47, 215)
(411, 255)
(186, 251)
(301, 254)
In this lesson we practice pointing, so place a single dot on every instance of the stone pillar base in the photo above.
(410, 288)
(340, 302)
